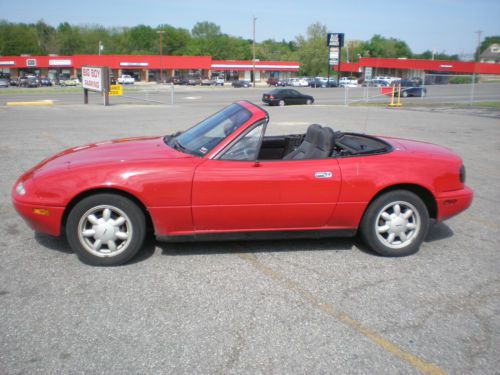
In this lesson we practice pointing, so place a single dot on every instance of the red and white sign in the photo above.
(59, 62)
(92, 78)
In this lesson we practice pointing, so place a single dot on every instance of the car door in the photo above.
(249, 195)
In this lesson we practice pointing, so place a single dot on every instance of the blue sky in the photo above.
(443, 25)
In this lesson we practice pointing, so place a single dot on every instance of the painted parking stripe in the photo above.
(413, 360)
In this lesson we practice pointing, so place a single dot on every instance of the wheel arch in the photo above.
(123, 193)
(420, 191)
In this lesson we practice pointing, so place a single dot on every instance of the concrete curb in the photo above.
(36, 103)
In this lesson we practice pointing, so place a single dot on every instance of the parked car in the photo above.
(348, 82)
(4, 82)
(126, 79)
(240, 83)
(409, 88)
(283, 97)
(299, 82)
(226, 179)
(207, 82)
(14, 81)
(320, 82)
(376, 83)
(46, 81)
(219, 81)
(69, 82)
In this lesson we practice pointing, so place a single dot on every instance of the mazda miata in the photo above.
(225, 179)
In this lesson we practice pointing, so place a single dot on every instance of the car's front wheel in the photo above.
(395, 223)
(106, 229)
(309, 101)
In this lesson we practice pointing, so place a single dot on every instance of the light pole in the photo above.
(476, 59)
(253, 50)
(101, 47)
(161, 54)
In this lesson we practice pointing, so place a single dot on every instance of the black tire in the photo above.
(121, 230)
(376, 230)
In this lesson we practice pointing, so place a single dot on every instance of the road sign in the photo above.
(115, 90)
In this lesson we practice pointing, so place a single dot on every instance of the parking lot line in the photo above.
(415, 361)
(34, 103)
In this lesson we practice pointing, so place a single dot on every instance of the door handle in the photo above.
(325, 174)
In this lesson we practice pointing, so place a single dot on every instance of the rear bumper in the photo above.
(49, 222)
(453, 202)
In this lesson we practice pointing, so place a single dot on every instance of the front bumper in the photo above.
(43, 219)
(453, 202)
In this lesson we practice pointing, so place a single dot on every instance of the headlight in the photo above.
(20, 189)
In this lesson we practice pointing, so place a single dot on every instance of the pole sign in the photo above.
(92, 78)
(335, 40)
(95, 78)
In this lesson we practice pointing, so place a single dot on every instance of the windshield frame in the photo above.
(224, 123)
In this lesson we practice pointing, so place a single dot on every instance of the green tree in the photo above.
(379, 46)
(205, 30)
(69, 39)
(175, 40)
(488, 41)
(18, 38)
(312, 51)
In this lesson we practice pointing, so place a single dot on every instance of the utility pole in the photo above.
(101, 47)
(161, 54)
(476, 59)
(253, 50)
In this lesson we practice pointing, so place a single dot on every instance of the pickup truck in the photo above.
(126, 79)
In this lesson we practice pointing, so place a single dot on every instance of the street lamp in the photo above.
(253, 50)
(161, 53)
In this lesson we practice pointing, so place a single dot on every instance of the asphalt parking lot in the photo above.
(284, 307)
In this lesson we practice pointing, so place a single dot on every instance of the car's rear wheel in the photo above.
(395, 224)
(404, 94)
(281, 103)
(106, 229)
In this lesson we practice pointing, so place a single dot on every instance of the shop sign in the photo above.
(30, 63)
(92, 78)
(335, 40)
(134, 64)
(59, 62)
(7, 63)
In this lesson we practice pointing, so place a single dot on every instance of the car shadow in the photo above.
(439, 231)
(53, 243)
(61, 245)
(254, 246)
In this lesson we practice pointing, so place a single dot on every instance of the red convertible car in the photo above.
(225, 179)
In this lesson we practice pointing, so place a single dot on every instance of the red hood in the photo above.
(119, 150)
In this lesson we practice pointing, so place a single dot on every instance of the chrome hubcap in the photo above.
(105, 231)
(397, 224)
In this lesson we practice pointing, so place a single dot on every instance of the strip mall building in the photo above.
(149, 68)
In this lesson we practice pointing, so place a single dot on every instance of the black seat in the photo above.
(317, 144)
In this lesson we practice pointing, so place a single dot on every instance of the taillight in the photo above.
(271, 97)
(462, 174)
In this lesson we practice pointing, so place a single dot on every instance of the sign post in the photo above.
(335, 42)
(96, 79)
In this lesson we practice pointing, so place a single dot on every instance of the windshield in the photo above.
(202, 138)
